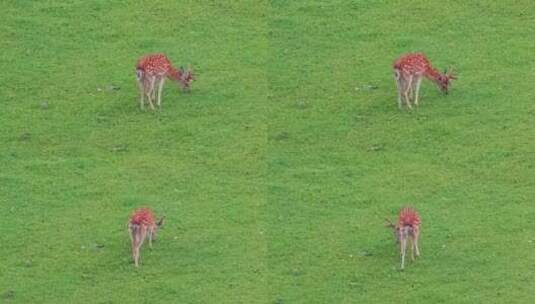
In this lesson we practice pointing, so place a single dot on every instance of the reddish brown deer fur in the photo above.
(409, 70)
(406, 229)
(151, 72)
(142, 225)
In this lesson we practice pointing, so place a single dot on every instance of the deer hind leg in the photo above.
(412, 248)
(416, 237)
(160, 87)
(140, 236)
(133, 231)
(403, 247)
(135, 251)
(417, 89)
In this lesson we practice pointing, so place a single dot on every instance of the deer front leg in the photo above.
(141, 87)
(160, 87)
(150, 236)
(142, 101)
(151, 92)
(407, 90)
(417, 89)
(154, 90)
(399, 85)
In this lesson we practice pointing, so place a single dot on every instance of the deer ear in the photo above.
(161, 221)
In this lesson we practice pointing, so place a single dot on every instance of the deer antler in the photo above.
(190, 71)
(450, 73)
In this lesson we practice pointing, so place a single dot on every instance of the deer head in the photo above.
(395, 229)
(160, 221)
(186, 77)
(444, 80)
(157, 227)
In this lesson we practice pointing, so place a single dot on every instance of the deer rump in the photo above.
(408, 217)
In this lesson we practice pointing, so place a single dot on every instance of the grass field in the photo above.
(276, 172)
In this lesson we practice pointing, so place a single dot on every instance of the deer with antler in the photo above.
(142, 225)
(409, 70)
(151, 72)
(406, 229)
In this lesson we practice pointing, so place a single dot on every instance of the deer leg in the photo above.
(141, 235)
(135, 248)
(416, 237)
(153, 95)
(154, 91)
(160, 87)
(140, 77)
(151, 91)
(403, 246)
(412, 248)
(141, 86)
(136, 256)
(407, 90)
(417, 89)
(151, 233)
(134, 240)
(399, 85)
(130, 233)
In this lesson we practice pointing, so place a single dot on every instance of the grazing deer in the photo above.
(409, 70)
(142, 224)
(151, 72)
(407, 228)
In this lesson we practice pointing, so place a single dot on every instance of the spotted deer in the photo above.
(141, 225)
(406, 229)
(409, 69)
(151, 72)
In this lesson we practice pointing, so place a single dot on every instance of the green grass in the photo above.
(276, 172)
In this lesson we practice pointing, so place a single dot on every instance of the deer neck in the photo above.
(175, 74)
(434, 75)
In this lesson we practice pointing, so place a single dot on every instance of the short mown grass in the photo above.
(276, 172)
